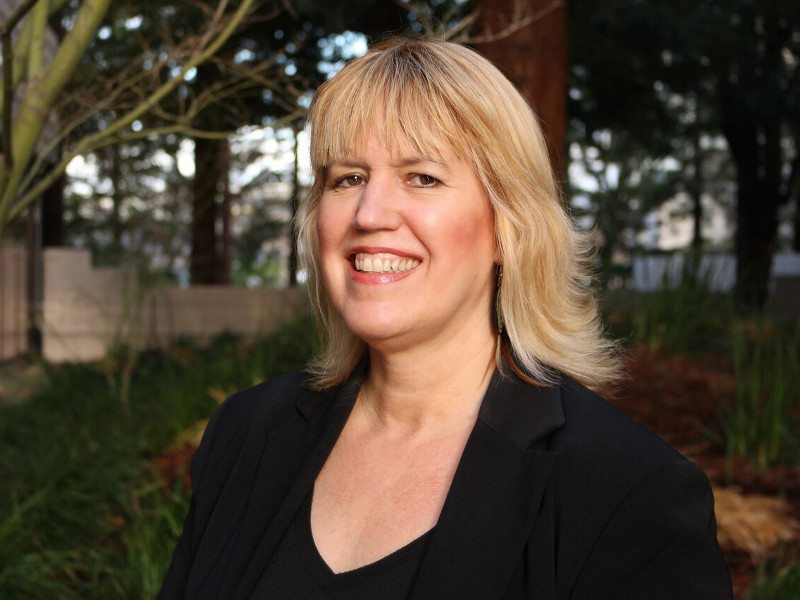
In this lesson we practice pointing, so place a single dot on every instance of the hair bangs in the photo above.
(410, 114)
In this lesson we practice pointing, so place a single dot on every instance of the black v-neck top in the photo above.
(296, 570)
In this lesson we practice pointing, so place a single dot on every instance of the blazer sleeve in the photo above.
(174, 585)
(660, 543)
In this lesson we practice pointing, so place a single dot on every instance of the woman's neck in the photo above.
(434, 386)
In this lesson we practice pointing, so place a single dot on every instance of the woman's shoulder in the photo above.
(594, 426)
(632, 510)
(272, 404)
(607, 454)
(275, 395)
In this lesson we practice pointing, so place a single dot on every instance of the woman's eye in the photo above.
(349, 181)
(422, 180)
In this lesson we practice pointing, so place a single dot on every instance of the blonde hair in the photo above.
(425, 95)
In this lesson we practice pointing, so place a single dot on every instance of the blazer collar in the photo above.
(493, 499)
(515, 409)
(312, 404)
(496, 494)
(519, 411)
(324, 415)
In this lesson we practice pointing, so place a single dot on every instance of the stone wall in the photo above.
(86, 309)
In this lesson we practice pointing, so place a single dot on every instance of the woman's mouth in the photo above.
(383, 263)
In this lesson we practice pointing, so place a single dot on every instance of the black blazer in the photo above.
(557, 495)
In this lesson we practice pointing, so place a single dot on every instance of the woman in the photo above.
(449, 440)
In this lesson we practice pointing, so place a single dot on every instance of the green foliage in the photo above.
(683, 316)
(85, 514)
(784, 585)
(761, 422)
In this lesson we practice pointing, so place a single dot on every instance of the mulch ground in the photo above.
(679, 399)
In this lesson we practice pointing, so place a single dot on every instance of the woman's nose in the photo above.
(378, 204)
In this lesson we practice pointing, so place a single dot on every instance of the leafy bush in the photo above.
(784, 585)
(85, 515)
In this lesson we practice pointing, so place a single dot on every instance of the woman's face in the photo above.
(407, 246)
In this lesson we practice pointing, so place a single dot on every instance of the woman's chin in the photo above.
(378, 337)
(386, 334)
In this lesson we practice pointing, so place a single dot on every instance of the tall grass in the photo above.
(683, 315)
(761, 422)
(84, 513)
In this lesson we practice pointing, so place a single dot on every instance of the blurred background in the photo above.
(151, 158)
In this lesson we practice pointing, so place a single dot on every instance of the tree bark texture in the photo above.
(206, 261)
(753, 132)
(534, 58)
(31, 113)
(757, 200)
(295, 203)
(227, 226)
(695, 188)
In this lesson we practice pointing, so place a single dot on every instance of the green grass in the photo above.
(85, 515)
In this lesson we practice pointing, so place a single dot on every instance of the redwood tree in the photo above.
(533, 56)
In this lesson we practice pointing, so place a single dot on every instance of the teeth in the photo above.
(375, 264)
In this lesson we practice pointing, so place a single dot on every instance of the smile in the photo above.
(372, 263)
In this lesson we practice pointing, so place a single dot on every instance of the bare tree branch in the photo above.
(122, 137)
(16, 199)
(519, 19)
(6, 29)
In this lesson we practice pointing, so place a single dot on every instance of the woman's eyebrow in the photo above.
(399, 162)
(347, 162)
(414, 160)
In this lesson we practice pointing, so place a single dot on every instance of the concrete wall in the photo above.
(87, 309)
(13, 301)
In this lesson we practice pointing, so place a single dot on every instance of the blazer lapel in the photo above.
(325, 423)
(495, 495)
(486, 518)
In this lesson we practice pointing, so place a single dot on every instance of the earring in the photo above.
(498, 313)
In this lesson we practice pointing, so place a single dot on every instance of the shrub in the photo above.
(84, 513)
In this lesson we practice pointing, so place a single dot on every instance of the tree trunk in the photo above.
(34, 279)
(117, 196)
(534, 58)
(293, 261)
(753, 132)
(206, 263)
(53, 229)
(227, 226)
(756, 231)
(696, 194)
(757, 201)
(210, 223)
